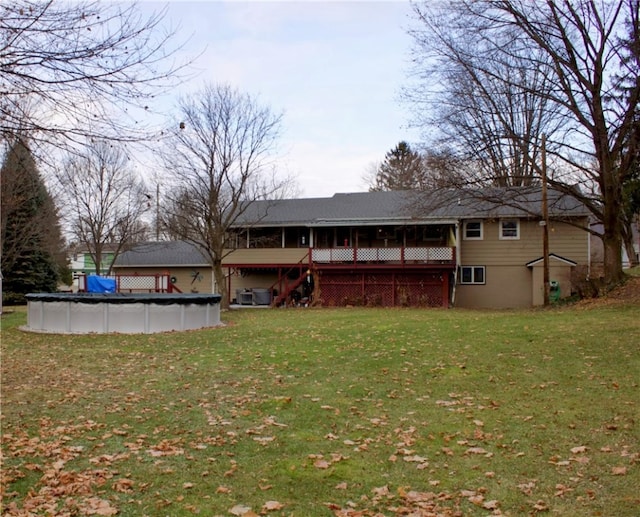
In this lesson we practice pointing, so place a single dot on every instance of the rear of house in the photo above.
(501, 261)
(389, 249)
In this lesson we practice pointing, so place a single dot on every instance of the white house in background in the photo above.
(81, 262)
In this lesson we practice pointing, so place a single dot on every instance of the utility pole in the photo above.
(157, 212)
(545, 222)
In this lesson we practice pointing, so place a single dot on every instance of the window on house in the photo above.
(265, 238)
(386, 232)
(343, 237)
(296, 237)
(472, 275)
(473, 230)
(509, 229)
(434, 234)
(323, 238)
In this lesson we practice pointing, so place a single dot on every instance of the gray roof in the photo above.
(367, 208)
(167, 253)
(407, 207)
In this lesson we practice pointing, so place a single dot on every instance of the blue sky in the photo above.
(334, 69)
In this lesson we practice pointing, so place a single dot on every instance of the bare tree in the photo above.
(103, 200)
(71, 70)
(506, 49)
(219, 159)
(488, 106)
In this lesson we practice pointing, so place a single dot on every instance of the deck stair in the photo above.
(288, 287)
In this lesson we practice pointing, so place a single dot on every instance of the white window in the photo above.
(473, 230)
(509, 229)
(472, 275)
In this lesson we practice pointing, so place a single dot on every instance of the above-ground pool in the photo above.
(85, 313)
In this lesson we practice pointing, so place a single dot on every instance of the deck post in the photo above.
(445, 289)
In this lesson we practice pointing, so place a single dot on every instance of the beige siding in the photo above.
(559, 272)
(189, 279)
(509, 283)
(266, 256)
(564, 240)
(252, 281)
(505, 287)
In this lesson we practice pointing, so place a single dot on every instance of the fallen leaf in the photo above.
(264, 440)
(271, 506)
(97, 506)
(240, 510)
(414, 459)
(381, 490)
(541, 506)
(619, 471)
(123, 485)
(321, 464)
(478, 500)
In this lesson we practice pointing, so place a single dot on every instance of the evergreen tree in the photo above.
(402, 169)
(31, 237)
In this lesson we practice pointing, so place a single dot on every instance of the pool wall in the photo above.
(65, 313)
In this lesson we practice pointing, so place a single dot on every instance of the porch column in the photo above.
(445, 289)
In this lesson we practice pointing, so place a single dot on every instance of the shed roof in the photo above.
(166, 253)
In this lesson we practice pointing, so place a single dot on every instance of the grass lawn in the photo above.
(349, 412)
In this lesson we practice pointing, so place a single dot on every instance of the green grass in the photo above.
(330, 412)
(634, 271)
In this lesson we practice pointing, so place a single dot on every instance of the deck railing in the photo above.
(152, 283)
(397, 255)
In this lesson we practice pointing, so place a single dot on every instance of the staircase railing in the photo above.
(285, 285)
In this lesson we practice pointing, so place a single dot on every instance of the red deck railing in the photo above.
(398, 255)
(157, 283)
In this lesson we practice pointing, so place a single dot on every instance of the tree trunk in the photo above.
(221, 283)
(612, 238)
(97, 258)
(612, 222)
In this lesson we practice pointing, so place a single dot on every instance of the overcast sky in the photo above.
(333, 68)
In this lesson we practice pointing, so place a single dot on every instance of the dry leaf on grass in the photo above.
(240, 510)
(271, 506)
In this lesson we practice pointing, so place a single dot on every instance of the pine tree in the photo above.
(402, 169)
(31, 237)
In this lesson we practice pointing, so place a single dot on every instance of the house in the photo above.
(81, 262)
(597, 246)
(439, 249)
(188, 269)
